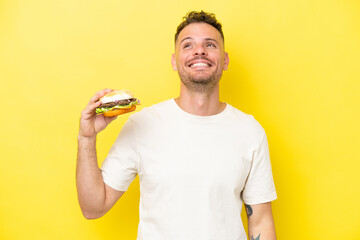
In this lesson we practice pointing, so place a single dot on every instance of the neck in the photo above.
(201, 104)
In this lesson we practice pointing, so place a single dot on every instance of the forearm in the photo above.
(89, 181)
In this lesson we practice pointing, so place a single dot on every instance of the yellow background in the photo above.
(294, 65)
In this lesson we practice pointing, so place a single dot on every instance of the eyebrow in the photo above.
(211, 39)
(207, 39)
(185, 39)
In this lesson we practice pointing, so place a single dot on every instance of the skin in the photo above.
(260, 221)
(204, 44)
(199, 88)
(95, 197)
(199, 95)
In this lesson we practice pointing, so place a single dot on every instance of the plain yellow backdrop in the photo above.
(294, 66)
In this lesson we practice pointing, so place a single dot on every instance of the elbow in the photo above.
(89, 215)
(91, 211)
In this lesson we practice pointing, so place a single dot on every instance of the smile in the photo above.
(200, 64)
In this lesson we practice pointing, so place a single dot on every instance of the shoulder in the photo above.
(152, 113)
(246, 122)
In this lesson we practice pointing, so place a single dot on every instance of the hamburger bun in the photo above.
(115, 112)
(117, 102)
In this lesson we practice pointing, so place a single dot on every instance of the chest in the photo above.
(199, 155)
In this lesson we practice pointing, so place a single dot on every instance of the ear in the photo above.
(226, 61)
(173, 62)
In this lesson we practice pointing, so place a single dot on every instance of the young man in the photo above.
(197, 158)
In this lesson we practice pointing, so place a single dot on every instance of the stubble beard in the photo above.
(200, 84)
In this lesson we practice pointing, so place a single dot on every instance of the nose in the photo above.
(200, 50)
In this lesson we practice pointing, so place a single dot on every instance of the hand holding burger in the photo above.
(103, 108)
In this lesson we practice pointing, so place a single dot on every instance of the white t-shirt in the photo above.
(194, 171)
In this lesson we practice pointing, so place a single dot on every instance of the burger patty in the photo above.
(120, 102)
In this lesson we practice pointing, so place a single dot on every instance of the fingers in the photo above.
(99, 95)
(91, 107)
(94, 102)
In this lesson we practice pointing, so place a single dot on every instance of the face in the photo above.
(199, 57)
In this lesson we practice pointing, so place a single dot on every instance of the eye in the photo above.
(211, 45)
(186, 45)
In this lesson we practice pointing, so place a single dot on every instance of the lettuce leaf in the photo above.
(102, 110)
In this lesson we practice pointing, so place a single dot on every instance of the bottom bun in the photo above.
(115, 112)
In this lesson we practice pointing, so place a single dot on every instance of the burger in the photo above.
(117, 102)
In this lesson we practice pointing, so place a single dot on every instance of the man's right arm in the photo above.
(95, 197)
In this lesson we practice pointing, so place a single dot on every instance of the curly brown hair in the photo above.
(199, 17)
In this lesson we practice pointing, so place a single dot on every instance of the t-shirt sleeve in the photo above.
(259, 186)
(120, 167)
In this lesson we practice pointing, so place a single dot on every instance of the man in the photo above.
(197, 158)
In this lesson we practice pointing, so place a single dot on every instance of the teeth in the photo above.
(199, 64)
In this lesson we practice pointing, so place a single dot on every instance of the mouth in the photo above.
(199, 64)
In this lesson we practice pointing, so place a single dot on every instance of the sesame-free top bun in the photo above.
(116, 95)
(117, 111)
(121, 92)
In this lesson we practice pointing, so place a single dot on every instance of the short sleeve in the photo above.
(259, 186)
(120, 167)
